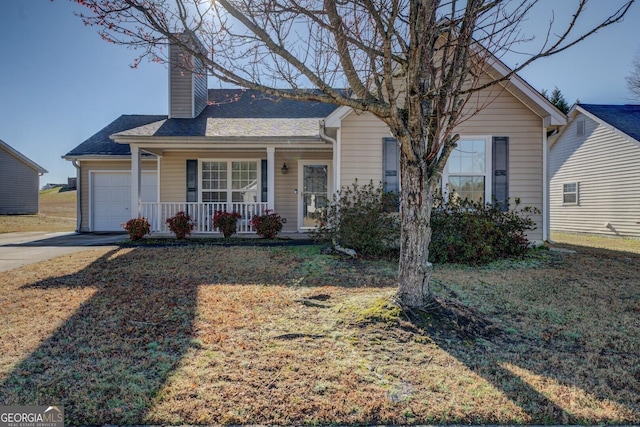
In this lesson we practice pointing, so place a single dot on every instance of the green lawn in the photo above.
(612, 243)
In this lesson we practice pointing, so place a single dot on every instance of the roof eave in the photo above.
(71, 157)
(579, 109)
(552, 116)
(180, 141)
(24, 159)
(334, 120)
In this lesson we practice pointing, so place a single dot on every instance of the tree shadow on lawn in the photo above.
(108, 360)
(551, 377)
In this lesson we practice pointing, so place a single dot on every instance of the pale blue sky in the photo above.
(60, 83)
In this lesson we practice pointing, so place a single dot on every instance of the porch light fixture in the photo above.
(285, 169)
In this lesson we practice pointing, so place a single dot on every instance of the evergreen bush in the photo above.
(359, 218)
(473, 233)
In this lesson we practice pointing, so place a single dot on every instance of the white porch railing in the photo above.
(201, 214)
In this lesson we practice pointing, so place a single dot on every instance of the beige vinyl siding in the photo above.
(361, 148)
(173, 176)
(19, 192)
(502, 115)
(607, 168)
(87, 166)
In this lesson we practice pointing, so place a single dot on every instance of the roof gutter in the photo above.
(324, 136)
(335, 150)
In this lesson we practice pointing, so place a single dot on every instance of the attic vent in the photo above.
(580, 127)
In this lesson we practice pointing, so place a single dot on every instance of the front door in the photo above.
(313, 184)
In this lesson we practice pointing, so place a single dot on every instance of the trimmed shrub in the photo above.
(466, 232)
(226, 222)
(359, 218)
(137, 228)
(180, 225)
(268, 224)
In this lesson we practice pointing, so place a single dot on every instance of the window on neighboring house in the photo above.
(570, 193)
(230, 181)
(580, 127)
(467, 173)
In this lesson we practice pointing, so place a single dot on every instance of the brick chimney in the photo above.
(188, 91)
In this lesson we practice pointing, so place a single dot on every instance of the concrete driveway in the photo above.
(18, 249)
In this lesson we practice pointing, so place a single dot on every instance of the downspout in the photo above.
(336, 159)
(75, 164)
(545, 187)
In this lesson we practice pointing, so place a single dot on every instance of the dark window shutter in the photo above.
(500, 168)
(192, 180)
(263, 173)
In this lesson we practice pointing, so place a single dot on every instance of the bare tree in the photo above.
(412, 63)
(633, 80)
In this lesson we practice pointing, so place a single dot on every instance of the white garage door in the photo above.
(111, 198)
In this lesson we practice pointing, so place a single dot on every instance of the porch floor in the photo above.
(281, 236)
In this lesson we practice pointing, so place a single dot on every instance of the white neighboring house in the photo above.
(595, 172)
(20, 178)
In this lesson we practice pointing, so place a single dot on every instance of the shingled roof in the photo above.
(101, 144)
(625, 118)
(231, 113)
(247, 104)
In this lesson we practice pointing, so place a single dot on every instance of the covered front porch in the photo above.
(291, 181)
(201, 214)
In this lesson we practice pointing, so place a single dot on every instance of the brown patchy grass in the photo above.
(57, 213)
(61, 204)
(209, 335)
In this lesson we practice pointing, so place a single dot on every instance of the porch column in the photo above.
(271, 177)
(135, 182)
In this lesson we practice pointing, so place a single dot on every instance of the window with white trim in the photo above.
(226, 181)
(468, 170)
(570, 193)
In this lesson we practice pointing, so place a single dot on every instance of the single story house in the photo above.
(595, 171)
(239, 150)
(20, 178)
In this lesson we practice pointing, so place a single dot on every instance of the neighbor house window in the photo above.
(570, 193)
(466, 175)
(230, 181)
(580, 127)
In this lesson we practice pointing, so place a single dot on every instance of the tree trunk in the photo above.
(414, 270)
